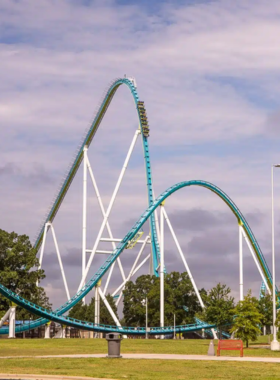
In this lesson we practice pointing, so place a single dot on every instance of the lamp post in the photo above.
(146, 318)
(145, 303)
(274, 344)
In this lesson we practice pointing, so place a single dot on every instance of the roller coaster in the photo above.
(155, 239)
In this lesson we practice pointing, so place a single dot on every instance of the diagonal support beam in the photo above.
(185, 264)
(183, 258)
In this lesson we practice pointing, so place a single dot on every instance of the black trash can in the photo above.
(114, 345)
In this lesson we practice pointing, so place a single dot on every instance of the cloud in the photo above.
(8, 169)
(198, 219)
(272, 124)
(208, 72)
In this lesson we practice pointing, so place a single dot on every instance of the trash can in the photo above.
(114, 345)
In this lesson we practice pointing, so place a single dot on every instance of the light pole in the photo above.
(145, 303)
(274, 344)
(146, 318)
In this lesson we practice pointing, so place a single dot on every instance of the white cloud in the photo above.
(208, 74)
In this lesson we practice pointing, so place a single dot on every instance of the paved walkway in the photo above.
(10, 376)
(158, 356)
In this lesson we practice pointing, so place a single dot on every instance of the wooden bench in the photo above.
(230, 344)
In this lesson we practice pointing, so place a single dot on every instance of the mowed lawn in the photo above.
(143, 369)
(132, 368)
(31, 347)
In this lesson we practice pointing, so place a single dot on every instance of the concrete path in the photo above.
(159, 356)
(10, 376)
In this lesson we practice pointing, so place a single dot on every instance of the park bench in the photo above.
(230, 344)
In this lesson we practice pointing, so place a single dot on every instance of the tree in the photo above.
(134, 293)
(277, 322)
(19, 272)
(265, 307)
(247, 319)
(178, 292)
(87, 312)
(219, 308)
(79, 311)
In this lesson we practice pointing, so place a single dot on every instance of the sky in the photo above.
(208, 72)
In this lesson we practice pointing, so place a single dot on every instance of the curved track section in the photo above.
(74, 166)
(59, 318)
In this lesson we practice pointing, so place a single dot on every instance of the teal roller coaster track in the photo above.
(58, 315)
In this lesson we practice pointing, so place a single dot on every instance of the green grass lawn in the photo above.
(143, 369)
(132, 369)
(31, 347)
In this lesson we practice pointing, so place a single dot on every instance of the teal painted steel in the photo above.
(57, 315)
(154, 239)
(208, 330)
(262, 290)
(123, 330)
(79, 157)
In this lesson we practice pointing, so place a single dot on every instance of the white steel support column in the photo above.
(47, 330)
(60, 262)
(84, 234)
(275, 346)
(255, 259)
(63, 331)
(109, 207)
(241, 262)
(97, 307)
(60, 333)
(12, 321)
(6, 316)
(162, 267)
(146, 304)
(96, 294)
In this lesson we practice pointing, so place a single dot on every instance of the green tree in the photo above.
(247, 319)
(265, 307)
(87, 312)
(178, 292)
(277, 322)
(219, 308)
(19, 272)
(134, 293)
(79, 311)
